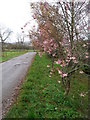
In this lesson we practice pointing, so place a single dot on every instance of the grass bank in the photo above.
(41, 96)
(10, 54)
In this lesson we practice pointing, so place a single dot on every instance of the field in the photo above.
(11, 54)
(42, 96)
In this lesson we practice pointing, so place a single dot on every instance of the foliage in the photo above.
(60, 36)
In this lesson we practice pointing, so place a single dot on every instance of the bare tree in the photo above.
(4, 35)
(20, 38)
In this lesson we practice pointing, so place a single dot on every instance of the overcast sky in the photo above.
(15, 13)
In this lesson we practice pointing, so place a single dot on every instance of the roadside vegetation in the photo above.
(42, 94)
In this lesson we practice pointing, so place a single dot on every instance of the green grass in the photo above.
(43, 97)
(10, 54)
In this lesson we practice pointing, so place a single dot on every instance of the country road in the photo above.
(13, 72)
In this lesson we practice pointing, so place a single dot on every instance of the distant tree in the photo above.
(20, 38)
(4, 35)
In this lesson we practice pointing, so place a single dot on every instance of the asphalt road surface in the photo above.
(13, 72)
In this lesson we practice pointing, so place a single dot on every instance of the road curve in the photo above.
(13, 71)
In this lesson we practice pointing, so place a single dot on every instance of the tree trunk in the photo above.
(52, 63)
(72, 26)
(67, 89)
(2, 46)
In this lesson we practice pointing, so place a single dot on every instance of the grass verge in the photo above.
(42, 96)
